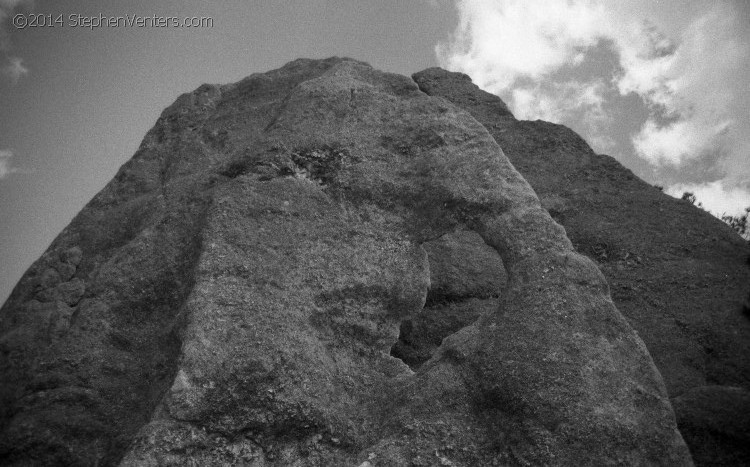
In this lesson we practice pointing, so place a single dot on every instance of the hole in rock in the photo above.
(467, 278)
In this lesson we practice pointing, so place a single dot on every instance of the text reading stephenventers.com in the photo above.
(34, 20)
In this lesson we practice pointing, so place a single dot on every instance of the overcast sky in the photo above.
(661, 86)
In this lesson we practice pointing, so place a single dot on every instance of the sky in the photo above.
(663, 86)
(660, 85)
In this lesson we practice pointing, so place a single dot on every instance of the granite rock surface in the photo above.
(240, 293)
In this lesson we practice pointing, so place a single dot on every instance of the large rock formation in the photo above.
(678, 274)
(235, 295)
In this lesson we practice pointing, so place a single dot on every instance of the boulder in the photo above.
(247, 272)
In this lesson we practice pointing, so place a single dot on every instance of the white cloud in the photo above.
(498, 42)
(675, 142)
(511, 48)
(688, 61)
(694, 85)
(715, 197)
(5, 167)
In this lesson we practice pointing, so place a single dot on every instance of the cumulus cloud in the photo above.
(688, 61)
(694, 87)
(524, 52)
(11, 67)
(499, 42)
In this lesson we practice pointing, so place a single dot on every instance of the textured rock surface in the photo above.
(244, 277)
(463, 266)
(715, 421)
(678, 274)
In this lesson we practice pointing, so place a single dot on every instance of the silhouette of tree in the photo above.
(688, 196)
(739, 223)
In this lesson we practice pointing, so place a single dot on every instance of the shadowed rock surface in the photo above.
(234, 295)
(715, 421)
(678, 274)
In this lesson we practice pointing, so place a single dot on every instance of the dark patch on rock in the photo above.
(320, 164)
(715, 422)
(421, 335)
(236, 168)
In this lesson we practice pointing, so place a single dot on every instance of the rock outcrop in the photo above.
(235, 296)
(677, 273)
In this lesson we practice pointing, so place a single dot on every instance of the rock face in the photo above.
(715, 421)
(235, 296)
(677, 274)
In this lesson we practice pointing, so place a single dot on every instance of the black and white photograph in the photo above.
(393, 233)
